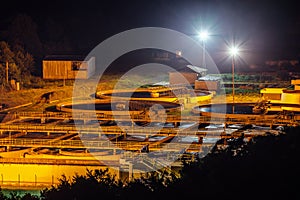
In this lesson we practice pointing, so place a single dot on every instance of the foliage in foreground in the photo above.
(265, 167)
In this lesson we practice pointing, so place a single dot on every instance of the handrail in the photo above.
(89, 144)
(139, 117)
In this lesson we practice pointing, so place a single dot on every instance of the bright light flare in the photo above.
(203, 35)
(179, 53)
(233, 51)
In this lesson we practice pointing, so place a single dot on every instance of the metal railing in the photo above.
(170, 118)
(53, 161)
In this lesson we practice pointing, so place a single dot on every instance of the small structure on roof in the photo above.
(68, 67)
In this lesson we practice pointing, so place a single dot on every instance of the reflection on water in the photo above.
(229, 108)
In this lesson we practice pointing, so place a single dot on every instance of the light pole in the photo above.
(6, 71)
(203, 36)
(233, 51)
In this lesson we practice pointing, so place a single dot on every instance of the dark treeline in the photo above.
(263, 168)
(23, 45)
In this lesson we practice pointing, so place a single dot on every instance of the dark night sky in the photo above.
(269, 30)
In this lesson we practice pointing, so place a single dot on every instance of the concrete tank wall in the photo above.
(290, 98)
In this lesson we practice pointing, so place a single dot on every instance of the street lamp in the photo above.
(233, 52)
(203, 36)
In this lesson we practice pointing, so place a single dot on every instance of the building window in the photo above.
(76, 65)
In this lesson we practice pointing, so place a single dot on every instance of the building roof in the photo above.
(65, 57)
(196, 69)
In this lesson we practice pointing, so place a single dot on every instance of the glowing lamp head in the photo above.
(179, 53)
(234, 51)
(203, 35)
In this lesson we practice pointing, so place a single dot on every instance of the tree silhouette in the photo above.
(265, 167)
(23, 31)
(2, 196)
(6, 55)
(23, 60)
(20, 62)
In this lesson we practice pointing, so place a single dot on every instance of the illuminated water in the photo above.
(242, 108)
(228, 108)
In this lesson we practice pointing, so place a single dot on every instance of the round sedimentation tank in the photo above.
(162, 94)
(234, 109)
(109, 107)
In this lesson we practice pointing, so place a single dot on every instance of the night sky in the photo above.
(266, 30)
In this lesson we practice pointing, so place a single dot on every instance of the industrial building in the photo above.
(283, 95)
(68, 67)
(196, 77)
(272, 94)
(289, 99)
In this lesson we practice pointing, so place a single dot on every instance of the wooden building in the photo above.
(68, 67)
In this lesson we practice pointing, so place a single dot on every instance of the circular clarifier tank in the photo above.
(121, 107)
(154, 93)
(228, 108)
